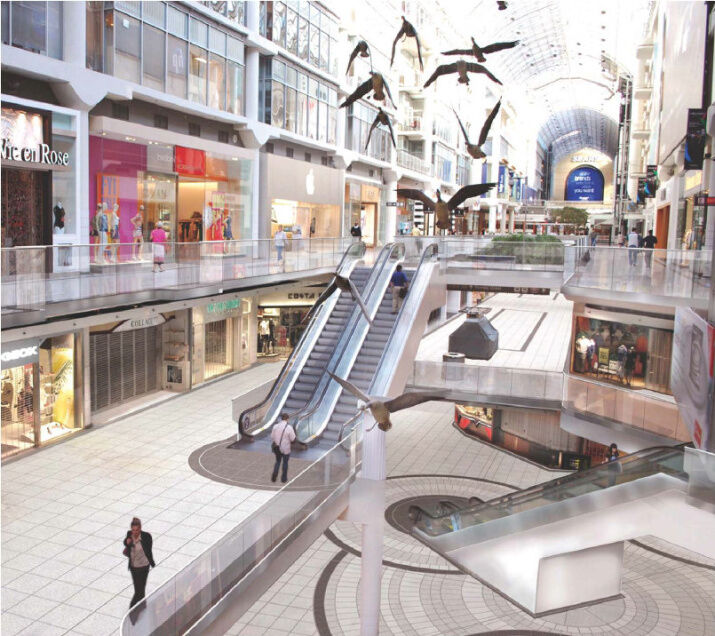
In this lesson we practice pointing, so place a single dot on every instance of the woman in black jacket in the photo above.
(137, 549)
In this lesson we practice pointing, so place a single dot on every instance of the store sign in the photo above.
(692, 375)
(704, 199)
(310, 182)
(160, 158)
(139, 323)
(18, 353)
(695, 139)
(224, 307)
(189, 161)
(585, 159)
(295, 296)
(39, 154)
(584, 184)
(539, 291)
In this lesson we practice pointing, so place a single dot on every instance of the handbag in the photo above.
(125, 552)
(276, 448)
(403, 292)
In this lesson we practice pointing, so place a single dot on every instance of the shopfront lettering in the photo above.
(585, 159)
(139, 323)
(40, 154)
(302, 296)
(224, 306)
(19, 354)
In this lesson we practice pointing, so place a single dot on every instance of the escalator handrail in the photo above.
(429, 252)
(390, 253)
(534, 491)
(352, 255)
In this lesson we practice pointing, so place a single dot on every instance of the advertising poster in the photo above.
(691, 375)
(695, 139)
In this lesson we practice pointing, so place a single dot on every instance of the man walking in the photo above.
(279, 240)
(649, 243)
(281, 437)
(398, 283)
(633, 245)
(356, 231)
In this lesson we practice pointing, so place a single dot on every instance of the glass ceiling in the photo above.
(564, 73)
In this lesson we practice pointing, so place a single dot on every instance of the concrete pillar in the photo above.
(502, 224)
(74, 30)
(512, 214)
(454, 301)
(390, 210)
(493, 209)
(252, 55)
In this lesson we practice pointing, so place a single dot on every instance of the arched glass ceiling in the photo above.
(563, 75)
(571, 130)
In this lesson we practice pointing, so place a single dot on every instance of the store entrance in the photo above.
(368, 223)
(26, 217)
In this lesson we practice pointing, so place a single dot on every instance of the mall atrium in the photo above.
(444, 267)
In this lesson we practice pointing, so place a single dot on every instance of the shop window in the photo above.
(292, 32)
(57, 414)
(290, 109)
(314, 45)
(34, 26)
(154, 54)
(312, 118)
(154, 13)
(176, 67)
(279, 17)
(322, 121)
(161, 121)
(18, 409)
(217, 82)
(277, 107)
(302, 114)
(197, 74)
(128, 48)
(235, 76)
(303, 39)
(94, 35)
(198, 32)
(177, 22)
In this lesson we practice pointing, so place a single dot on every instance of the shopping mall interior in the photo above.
(357, 318)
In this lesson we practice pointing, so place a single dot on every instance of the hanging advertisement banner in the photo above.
(501, 188)
(691, 375)
(695, 139)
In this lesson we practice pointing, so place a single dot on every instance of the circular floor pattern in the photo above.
(400, 515)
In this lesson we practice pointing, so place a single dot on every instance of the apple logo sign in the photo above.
(310, 182)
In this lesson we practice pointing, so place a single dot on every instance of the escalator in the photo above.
(518, 542)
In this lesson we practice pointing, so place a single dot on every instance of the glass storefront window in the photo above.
(154, 53)
(18, 409)
(235, 88)
(279, 16)
(303, 39)
(197, 74)
(177, 66)
(302, 114)
(314, 219)
(57, 415)
(217, 82)
(33, 26)
(290, 109)
(322, 121)
(127, 61)
(313, 118)
(314, 45)
(277, 110)
(292, 32)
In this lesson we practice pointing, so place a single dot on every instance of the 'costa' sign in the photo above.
(39, 154)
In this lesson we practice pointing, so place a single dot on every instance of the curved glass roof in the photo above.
(563, 76)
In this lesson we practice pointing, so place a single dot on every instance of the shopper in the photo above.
(158, 239)
(614, 467)
(593, 237)
(138, 550)
(356, 231)
(398, 283)
(279, 240)
(649, 243)
(282, 436)
(634, 242)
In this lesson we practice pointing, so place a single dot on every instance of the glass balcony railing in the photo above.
(412, 162)
(34, 277)
(411, 122)
(179, 602)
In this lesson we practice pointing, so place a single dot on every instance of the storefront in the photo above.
(304, 198)
(615, 350)
(40, 191)
(221, 338)
(692, 219)
(197, 193)
(280, 319)
(362, 205)
(40, 379)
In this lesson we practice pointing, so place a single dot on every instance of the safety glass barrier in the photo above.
(670, 273)
(496, 383)
(645, 411)
(33, 277)
(181, 600)
(666, 460)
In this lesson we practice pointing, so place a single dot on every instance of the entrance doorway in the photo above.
(662, 223)
(368, 217)
(26, 217)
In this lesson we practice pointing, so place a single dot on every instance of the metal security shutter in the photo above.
(123, 366)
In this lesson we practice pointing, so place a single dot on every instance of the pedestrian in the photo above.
(614, 466)
(630, 364)
(593, 237)
(356, 231)
(416, 232)
(622, 355)
(138, 550)
(649, 243)
(279, 240)
(158, 239)
(398, 283)
(282, 436)
(634, 241)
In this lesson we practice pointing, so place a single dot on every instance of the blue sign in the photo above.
(584, 183)
(501, 188)
(484, 177)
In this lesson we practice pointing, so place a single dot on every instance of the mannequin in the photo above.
(227, 233)
(264, 331)
(101, 229)
(114, 231)
(138, 233)
(59, 212)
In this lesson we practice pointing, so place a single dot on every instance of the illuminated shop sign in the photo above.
(224, 306)
(40, 154)
(140, 323)
(15, 354)
(584, 184)
(23, 139)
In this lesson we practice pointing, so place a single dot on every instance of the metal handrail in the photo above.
(357, 251)
(386, 255)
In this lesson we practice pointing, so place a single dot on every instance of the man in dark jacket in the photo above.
(138, 550)
(356, 231)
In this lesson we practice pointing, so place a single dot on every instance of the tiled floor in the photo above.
(65, 510)
(515, 317)
(320, 593)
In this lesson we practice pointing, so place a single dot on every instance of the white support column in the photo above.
(390, 211)
(512, 214)
(493, 218)
(502, 224)
(454, 300)
(74, 39)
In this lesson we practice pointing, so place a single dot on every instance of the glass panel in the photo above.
(128, 47)
(56, 360)
(18, 397)
(219, 7)
(312, 118)
(291, 77)
(279, 17)
(6, 25)
(54, 30)
(322, 121)
(292, 32)
(302, 83)
(236, 11)
(176, 67)
(279, 70)
(109, 42)
(28, 26)
(94, 35)
(235, 88)
(312, 87)
(154, 51)
(324, 51)
(217, 41)
(197, 74)
(303, 38)
(235, 50)
(263, 19)
(277, 109)
(322, 92)
(132, 8)
(314, 45)
(332, 97)
(199, 32)
(290, 109)
(217, 82)
(302, 114)
(154, 13)
(177, 22)
(332, 125)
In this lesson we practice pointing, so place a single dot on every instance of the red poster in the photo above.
(190, 162)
